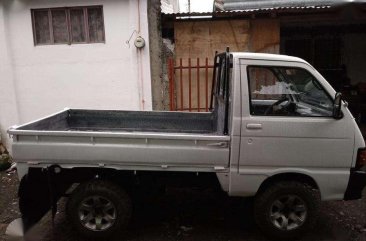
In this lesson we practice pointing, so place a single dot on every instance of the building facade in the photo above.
(76, 54)
(330, 35)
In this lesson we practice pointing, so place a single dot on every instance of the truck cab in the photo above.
(282, 107)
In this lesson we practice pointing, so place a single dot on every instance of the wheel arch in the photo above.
(288, 176)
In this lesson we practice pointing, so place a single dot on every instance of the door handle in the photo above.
(219, 144)
(254, 126)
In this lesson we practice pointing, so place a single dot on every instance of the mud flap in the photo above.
(38, 192)
(33, 198)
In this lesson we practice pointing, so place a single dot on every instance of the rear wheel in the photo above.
(99, 209)
(286, 209)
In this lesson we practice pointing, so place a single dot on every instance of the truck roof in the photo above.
(262, 56)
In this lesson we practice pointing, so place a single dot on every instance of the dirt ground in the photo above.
(8, 201)
(191, 215)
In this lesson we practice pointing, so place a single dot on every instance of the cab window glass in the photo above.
(285, 91)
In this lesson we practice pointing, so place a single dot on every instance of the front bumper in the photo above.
(356, 184)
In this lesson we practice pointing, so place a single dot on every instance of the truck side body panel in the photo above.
(125, 152)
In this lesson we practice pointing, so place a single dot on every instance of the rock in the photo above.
(15, 228)
(12, 169)
(186, 229)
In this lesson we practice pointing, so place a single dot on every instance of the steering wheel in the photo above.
(278, 102)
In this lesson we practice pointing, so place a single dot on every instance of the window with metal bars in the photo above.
(71, 25)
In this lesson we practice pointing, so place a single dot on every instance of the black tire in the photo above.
(277, 226)
(102, 190)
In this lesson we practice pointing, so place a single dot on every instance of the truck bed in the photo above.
(131, 121)
(125, 140)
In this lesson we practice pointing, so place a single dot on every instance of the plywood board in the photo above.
(200, 39)
(264, 36)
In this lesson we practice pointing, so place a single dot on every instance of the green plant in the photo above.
(5, 162)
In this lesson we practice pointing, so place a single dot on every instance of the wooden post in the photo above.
(181, 84)
(198, 85)
(206, 75)
(190, 84)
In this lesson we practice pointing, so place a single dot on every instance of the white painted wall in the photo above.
(39, 80)
(8, 101)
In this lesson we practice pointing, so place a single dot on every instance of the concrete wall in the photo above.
(170, 6)
(159, 96)
(9, 114)
(38, 80)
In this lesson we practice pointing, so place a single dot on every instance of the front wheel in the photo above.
(286, 210)
(99, 209)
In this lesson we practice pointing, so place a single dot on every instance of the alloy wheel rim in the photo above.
(97, 213)
(288, 212)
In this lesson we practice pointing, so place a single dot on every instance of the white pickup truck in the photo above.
(277, 131)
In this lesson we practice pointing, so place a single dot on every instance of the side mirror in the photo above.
(337, 113)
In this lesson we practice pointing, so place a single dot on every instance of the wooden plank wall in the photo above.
(200, 39)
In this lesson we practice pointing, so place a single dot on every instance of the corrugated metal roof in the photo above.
(251, 11)
(229, 5)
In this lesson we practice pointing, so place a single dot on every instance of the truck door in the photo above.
(287, 122)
